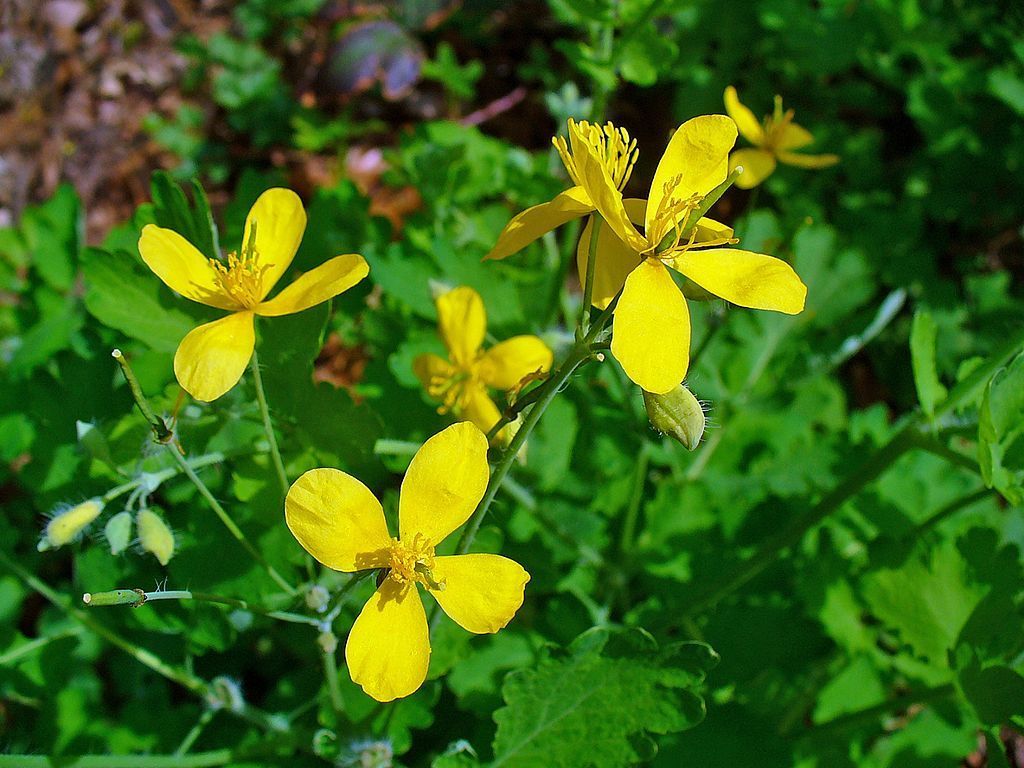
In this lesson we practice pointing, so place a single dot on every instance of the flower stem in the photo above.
(588, 282)
(230, 524)
(197, 729)
(333, 688)
(166, 437)
(268, 426)
(137, 597)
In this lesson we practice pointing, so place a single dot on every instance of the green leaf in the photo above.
(192, 221)
(927, 600)
(1000, 427)
(923, 332)
(121, 294)
(604, 698)
(996, 693)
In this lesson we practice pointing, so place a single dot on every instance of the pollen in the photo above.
(452, 391)
(413, 562)
(611, 146)
(241, 278)
(776, 123)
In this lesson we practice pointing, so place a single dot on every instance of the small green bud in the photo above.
(154, 535)
(66, 526)
(119, 532)
(317, 598)
(677, 414)
(328, 642)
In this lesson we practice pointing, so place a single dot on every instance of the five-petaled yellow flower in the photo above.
(773, 140)
(211, 358)
(340, 522)
(461, 381)
(651, 325)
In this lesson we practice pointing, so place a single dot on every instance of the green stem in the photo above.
(196, 731)
(153, 480)
(627, 542)
(951, 509)
(225, 518)
(181, 676)
(268, 425)
(161, 431)
(333, 688)
(588, 284)
(167, 439)
(198, 760)
(33, 645)
(137, 597)
(933, 446)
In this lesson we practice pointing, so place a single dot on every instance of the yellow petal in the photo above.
(699, 155)
(527, 226)
(615, 259)
(749, 126)
(651, 329)
(337, 520)
(479, 409)
(793, 136)
(745, 278)
(481, 592)
(504, 365)
(758, 165)
(211, 358)
(388, 649)
(182, 267)
(462, 322)
(444, 483)
(280, 222)
(429, 367)
(801, 160)
(325, 282)
(709, 229)
(607, 199)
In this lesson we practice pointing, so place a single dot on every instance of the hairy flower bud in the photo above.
(119, 532)
(66, 526)
(677, 414)
(155, 536)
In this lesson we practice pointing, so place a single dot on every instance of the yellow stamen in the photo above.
(241, 278)
(413, 562)
(611, 146)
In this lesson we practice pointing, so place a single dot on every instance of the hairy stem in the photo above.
(268, 425)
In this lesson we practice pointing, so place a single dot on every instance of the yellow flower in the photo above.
(211, 358)
(609, 146)
(774, 140)
(651, 326)
(460, 383)
(339, 521)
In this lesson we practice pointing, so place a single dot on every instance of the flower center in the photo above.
(452, 391)
(672, 220)
(241, 278)
(776, 123)
(611, 146)
(413, 562)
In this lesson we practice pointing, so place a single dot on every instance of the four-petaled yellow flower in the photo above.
(340, 522)
(774, 140)
(651, 325)
(460, 383)
(211, 358)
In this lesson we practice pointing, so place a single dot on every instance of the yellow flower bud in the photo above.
(119, 532)
(154, 535)
(66, 526)
(677, 414)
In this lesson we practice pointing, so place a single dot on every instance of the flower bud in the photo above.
(677, 414)
(66, 526)
(119, 532)
(154, 535)
(317, 598)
